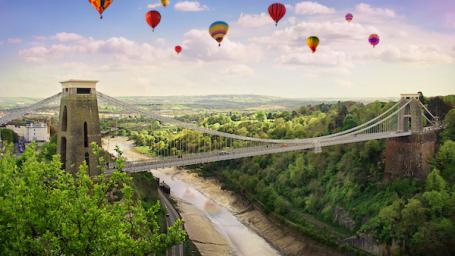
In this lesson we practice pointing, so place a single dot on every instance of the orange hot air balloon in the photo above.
(313, 43)
(178, 49)
(153, 18)
(165, 2)
(100, 5)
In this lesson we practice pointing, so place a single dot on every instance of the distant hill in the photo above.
(208, 102)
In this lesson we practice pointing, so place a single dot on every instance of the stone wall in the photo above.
(409, 156)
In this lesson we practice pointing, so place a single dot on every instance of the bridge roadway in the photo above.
(216, 156)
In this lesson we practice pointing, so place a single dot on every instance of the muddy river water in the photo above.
(242, 240)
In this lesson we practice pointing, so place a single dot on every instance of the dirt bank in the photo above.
(282, 238)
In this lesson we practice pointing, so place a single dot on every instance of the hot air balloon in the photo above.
(349, 17)
(277, 12)
(153, 18)
(165, 2)
(218, 30)
(374, 40)
(100, 5)
(313, 43)
(178, 49)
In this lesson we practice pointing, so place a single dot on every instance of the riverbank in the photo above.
(201, 231)
(282, 238)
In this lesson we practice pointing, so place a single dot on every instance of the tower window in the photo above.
(64, 119)
(83, 90)
(85, 135)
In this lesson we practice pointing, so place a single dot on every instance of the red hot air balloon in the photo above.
(374, 40)
(349, 17)
(178, 49)
(277, 12)
(153, 18)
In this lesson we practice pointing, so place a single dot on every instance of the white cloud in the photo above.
(309, 7)
(67, 37)
(70, 47)
(200, 46)
(190, 6)
(366, 9)
(154, 6)
(238, 70)
(254, 20)
(14, 40)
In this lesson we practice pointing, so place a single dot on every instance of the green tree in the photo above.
(449, 121)
(47, 211)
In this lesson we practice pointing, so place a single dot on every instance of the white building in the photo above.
(32, 132)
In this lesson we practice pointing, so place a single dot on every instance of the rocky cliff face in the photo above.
(409, 156)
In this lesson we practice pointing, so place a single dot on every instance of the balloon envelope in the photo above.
(165, 2)
(178, 49)
(153, 18)
(218, 30)
(349, 17)
(374, 40)
(277, 12)
(100, 5)
(313, 43)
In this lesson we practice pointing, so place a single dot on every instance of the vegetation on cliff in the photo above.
(47, 211)
(344, 186)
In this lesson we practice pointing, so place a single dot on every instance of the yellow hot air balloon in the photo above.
(218, 30)
(100, 5)
(313, 43)
(165, 2)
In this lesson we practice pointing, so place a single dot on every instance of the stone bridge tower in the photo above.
(79, 125)
(410, 118)
(409, 156)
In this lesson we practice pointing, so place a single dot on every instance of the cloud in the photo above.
(67, 37)
(238, 70)
(190, 6)
(70, 47)
(200, 46)
(14, 40)
(309, 7)
(154, 6)
(254, 20)
(366, 9)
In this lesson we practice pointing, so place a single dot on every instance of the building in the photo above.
(39, 132)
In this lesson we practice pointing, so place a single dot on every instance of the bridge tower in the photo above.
(409, 156)
(410, 118)
(79, 125)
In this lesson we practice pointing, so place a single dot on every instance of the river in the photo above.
(240, 239)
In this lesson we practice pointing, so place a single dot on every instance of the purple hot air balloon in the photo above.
(349, 17)
(374, 39)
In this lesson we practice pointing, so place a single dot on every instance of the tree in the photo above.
(449, 121)
(445, 160)
(438, 107)
(47, 211)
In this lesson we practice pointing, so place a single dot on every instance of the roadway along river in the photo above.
(214, 229)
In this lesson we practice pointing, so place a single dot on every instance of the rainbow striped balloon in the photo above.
(218, 31)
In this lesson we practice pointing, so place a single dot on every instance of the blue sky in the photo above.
(45, 41)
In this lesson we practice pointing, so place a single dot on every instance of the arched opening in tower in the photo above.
(63, 152)
(64, 119)
(85, 135)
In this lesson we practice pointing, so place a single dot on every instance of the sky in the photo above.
(43, 42)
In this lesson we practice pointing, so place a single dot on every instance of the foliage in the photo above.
(8, 135)
(47, 211)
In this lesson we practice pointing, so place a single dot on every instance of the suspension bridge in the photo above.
(408, 116)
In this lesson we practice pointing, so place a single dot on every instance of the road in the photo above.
(176, 250)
